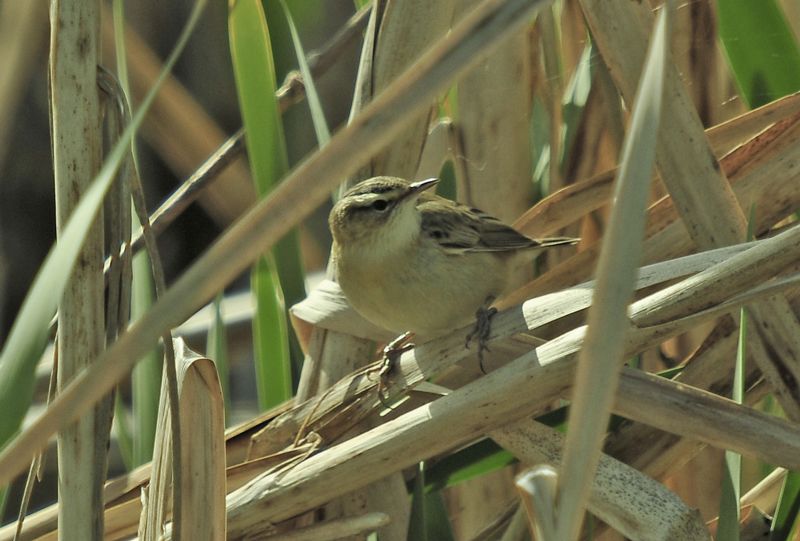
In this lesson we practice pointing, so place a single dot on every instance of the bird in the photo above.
(411, 261)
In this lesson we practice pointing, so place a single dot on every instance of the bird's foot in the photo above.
(391, 353)
(482, 330)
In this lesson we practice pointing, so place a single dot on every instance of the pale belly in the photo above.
(402, 296)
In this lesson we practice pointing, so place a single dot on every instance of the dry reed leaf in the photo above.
(464, 415)
(702, 195)
(736, 271)
(122, 495)
(406, 30)
(597, 375)
(202, 453)
(709, 367)
(633, 504)
(336, 529)
(686, 163)
(728, 135)
(710, 414)
(326, 307)
(766, 492)
(493, 125)
(745, 132)
(768, 183)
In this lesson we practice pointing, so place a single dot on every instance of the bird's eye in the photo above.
(380, 205)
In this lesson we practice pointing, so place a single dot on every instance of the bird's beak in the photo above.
(422, 185)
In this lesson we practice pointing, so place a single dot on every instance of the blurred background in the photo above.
(198, 110)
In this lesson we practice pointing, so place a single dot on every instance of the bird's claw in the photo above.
(481, 331)
(391, 353)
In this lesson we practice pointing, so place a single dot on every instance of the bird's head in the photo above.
(380, 209)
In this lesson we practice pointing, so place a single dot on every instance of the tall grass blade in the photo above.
(477, 459)
(314, 103)
(270, 335)
(599, 362)
(429, 520)
(576, 95)
(146, 376)
(416, 522)
(786, 512)
(730, 509)
(123, 431)
(254, 71)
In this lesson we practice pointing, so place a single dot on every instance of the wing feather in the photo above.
(458, 228)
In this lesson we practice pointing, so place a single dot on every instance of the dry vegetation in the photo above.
(507, 108)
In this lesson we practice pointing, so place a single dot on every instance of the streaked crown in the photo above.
(371, 205)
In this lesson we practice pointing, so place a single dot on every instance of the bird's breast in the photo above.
(421, 290)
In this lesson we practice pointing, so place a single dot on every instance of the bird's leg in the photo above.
(482, 329)
(392, 352)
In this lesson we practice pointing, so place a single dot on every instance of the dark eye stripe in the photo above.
(370, 206)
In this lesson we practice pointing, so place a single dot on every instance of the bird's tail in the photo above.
(557, 241)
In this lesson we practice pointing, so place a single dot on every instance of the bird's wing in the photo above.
(458, 228)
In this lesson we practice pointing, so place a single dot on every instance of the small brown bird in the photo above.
(409, 260)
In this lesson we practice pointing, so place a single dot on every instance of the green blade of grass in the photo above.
(729, 510)
(429, 519)
(146, 375)
(270, 336)
(540, 141)
(437, 521)
(478, 459)
(729, 507)
(576, 95)
(3, 501)
(416, 521)
(314, 103)
(254, 71)
(787, 510)
(760, 49)
(123, 431)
